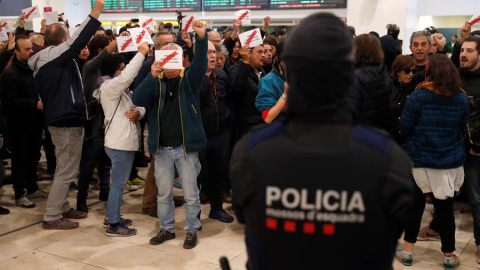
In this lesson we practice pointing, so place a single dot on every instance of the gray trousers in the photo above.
(68, 143)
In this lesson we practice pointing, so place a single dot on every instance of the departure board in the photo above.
(171, 5)
(122, 6)
(301, 4)
(217, 5)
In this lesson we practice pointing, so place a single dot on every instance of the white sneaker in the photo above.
(24, 202)
(451, 262)
(131, 187)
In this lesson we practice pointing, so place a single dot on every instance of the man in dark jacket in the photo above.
(246, 75)
(176, 135)
(216, 116)
(23, 111)
(295, 183)
(58, 81)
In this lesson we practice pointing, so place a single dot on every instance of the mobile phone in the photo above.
(135, 20)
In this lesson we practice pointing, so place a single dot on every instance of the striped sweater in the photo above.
(434, 126)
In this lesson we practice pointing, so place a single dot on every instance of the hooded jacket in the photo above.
(369, 95)
(58, 80)
(151, 95)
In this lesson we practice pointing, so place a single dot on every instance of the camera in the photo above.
(135, 20)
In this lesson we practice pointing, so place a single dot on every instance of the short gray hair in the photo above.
(220, 48)
(170, 45)
(421, 34)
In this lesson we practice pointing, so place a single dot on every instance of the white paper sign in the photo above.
(51, 17)
(6, 26)
(126, 44)
(31, 13)
(140, 35)
(475, 21)
(251, 38)
(147, 22)
(169, 59)
(244, 16)
(187, 23)
(3, 35)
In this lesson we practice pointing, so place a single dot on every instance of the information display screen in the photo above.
(122, 6)
(219, 5)
(304, 4)
(171, 5)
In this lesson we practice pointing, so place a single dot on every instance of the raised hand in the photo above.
(11, 41)
(245, 53)
(266, 23)
(464, 32)
(199, 28)
(186, 38)
(156, 69)
(97, 8)
(21, 20)
(143, 48)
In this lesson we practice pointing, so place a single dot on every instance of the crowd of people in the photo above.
(340, 140)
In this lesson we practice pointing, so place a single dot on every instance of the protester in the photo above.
(370, 91)
(435, 146)
(121, 131)
(176, 135)
(57, 80)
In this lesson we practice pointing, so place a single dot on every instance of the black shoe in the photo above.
(103, 195)
(190, 240)
(4, 211)
(82, 205)
(203, 198)
(221, 215)
(161, 237)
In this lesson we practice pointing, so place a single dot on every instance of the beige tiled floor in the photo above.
(88, 247)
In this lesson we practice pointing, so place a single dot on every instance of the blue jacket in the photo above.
(58, 80)
(434, 126)
(151, 95)
(270, 89)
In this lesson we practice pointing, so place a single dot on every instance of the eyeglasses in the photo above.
(211, 52)
(407, 71)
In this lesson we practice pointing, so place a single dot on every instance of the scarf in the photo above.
(430, 86)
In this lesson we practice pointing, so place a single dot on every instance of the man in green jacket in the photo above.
(176, 135)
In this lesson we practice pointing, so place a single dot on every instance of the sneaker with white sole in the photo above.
(404, 257)
(137, 181)
(451, 262)
(24, 202)
(60, 224)
(131, 187)
(123, 221)
(38, 194)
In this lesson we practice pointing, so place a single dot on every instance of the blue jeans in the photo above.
(472, 187)
(122, 162)
(188, 167)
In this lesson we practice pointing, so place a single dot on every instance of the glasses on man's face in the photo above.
(408, 70)
(212, 52)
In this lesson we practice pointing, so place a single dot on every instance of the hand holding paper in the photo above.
(251, 38)
(475, 20)
(187, 23)
(31, 13)
(243, 16)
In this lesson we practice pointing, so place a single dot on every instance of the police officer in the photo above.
(316, 191)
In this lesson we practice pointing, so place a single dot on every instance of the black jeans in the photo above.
(214, 172)
(25, 146)
(444, 217)
(92, 156)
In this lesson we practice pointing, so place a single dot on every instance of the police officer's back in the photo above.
(316, 191)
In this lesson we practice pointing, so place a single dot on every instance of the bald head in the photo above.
(56, 34)
(214, 37)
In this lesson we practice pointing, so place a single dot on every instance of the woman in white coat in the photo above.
(122, 131)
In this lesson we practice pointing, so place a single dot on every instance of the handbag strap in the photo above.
(99, 99)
